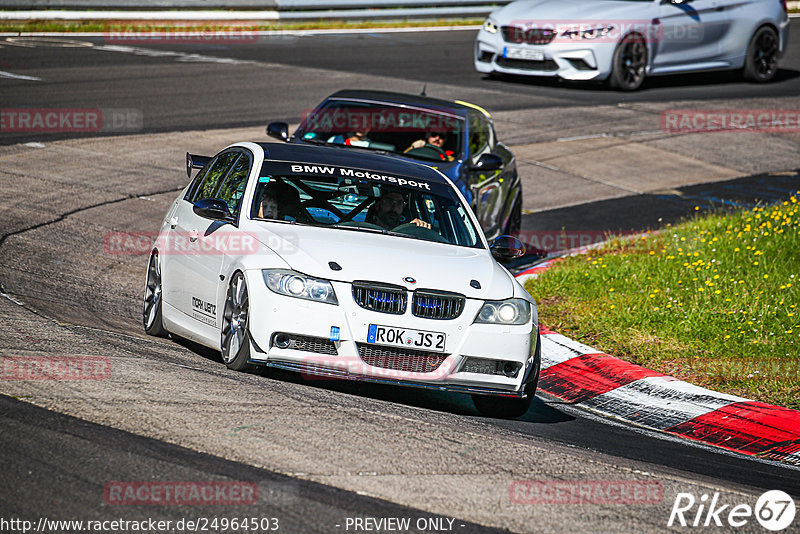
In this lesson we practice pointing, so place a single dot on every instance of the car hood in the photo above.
(388, 259)
(558, 10)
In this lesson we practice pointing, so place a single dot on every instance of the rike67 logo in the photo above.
(774, 510)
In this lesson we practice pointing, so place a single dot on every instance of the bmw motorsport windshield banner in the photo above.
(345, 172)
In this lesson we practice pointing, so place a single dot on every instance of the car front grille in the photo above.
(537, 36)
(437, 304)
(399, 359)
(382, 298)
(527, 64)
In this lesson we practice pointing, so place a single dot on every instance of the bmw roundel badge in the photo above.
(409, 280)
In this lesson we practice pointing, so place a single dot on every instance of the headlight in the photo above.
(490, 26)
(511, 311)
(588, 33)
(294, 284)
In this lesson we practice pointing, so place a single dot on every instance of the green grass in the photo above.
(97, 26)
(713, 301)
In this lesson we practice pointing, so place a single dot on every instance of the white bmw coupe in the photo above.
(343, 263)
(622, 41)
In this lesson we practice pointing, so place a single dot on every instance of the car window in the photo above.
(386, 127)
(197, 180)
(481, 138)
(232, 189)
(210, 182)
(425, 211)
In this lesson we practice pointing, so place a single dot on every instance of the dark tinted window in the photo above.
(210, 181)
(387, 127)
(232, 189)
(481, 135)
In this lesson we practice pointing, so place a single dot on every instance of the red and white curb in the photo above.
(583, 376)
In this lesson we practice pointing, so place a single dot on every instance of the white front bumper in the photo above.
(570, 60)
(271, 313)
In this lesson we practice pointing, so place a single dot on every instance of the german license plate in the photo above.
(531, 54)
(405, 337)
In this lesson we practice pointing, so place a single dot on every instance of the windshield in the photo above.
(422, 134)
(363, 201)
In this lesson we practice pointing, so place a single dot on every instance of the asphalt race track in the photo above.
(229, 84)
(322, 452)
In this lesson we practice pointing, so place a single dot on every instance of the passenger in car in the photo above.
(269, 204)
(357, 138)
(278, 200)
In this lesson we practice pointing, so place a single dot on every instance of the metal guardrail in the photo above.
(253, 10)
(141, 5)
(279, 5)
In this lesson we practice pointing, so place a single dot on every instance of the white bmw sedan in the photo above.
(622, 41)
(343, 263)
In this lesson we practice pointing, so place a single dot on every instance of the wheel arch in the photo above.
(649, 51)
(762, 24)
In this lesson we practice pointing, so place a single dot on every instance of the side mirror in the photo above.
(506, 248)
(278, 130)
(488, 162)
(212, 208)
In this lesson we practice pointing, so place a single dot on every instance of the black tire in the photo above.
(234, 336)
(515, 218)
(151, 305)
(629, 63)
(510, 408)
(761, 62)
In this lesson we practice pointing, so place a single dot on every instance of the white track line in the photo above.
(11, 75)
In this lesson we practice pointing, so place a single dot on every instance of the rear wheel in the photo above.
(509, 408)
(234, 342)
(628, 64)
(151, 306)
(761, 62)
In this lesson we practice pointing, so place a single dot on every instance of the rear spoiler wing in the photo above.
(195, 161)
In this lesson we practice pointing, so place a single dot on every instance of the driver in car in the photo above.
(435, 140)
(388, 211)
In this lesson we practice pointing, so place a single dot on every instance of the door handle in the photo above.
(173, 222)
(193, 235)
